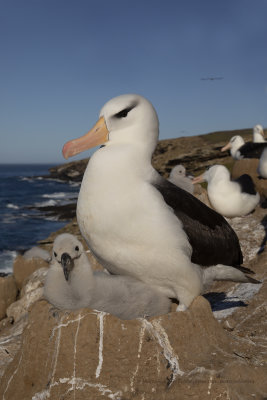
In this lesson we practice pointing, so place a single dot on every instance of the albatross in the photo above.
(231, 198)
(262, 166)
(258, 134)
(239, 149)
(137, 223)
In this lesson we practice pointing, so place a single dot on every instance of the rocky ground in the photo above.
(215, 350)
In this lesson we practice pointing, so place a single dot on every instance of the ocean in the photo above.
(22, 186)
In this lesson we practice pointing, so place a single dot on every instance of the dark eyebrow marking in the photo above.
(123, 113)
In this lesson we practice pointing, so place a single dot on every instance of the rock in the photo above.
(37, 252)
(249, 166)
(23, 268)
(34, 281)
(8, 293)
(10, 340)
(62, 212)
(30, 293)
(92, 355)
(251, 231)
(72, 171)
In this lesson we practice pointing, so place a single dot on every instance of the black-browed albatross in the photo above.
(239, 149)
(258, 134)
(137, 223)
(231, 198)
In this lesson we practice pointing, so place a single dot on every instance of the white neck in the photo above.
(82, 280)
(258, 138)
(236, 146)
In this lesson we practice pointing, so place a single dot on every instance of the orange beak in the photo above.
(226, 147)
(96, 136)
(198, 179)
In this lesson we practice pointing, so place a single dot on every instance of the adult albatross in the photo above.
(258, 134)
(137, 223)
(239, 149)
(231, 198)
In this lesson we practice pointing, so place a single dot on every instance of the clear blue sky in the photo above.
(61, 60)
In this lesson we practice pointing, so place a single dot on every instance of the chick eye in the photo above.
(55, 254)
(77, 248)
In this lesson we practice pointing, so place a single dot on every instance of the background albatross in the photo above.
(231, 198)
(137, 223)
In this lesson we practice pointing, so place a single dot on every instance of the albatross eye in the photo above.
(55, 254)
(77, 248)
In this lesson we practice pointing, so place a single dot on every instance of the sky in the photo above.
(62, 60)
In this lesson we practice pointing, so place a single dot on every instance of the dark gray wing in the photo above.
(252, 150)
(246, 184)
(212, 239)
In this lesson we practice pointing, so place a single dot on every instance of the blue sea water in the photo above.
(21, 186)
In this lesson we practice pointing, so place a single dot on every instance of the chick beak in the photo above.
(67, 265)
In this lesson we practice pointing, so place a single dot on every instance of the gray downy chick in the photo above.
(179, 178)
(71, 284)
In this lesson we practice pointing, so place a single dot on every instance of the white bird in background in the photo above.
(179, 178)
(262, 167)
(258, 134)
(230, 198)
(71, 284)
(239, 149)
(137, 223)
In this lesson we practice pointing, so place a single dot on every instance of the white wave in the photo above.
(26, 178)
(9, 219)
(14, 206)
(75, 184)
(7, 258)
(57, 195)
(52, 218)
(46, 203)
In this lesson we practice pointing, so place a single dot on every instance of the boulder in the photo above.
(8, 293)
(30, 293)
(10, 340)
(249, 166)
(23, 268)
(92, 355)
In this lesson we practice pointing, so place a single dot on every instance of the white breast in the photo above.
(122, 215)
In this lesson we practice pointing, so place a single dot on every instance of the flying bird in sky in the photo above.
(213, 78)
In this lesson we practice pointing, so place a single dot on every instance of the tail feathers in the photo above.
(227, 273)
(244, 269)
(252, 280)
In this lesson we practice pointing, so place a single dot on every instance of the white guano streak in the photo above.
(159, 333)
(100, 318)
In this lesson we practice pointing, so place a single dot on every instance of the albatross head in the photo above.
(234, 144)
(258, 134)
(213, 172)
(129, 118)
(66, 250)
(178, 170)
